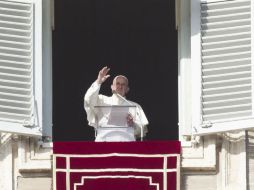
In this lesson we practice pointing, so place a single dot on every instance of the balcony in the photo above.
(151, 165)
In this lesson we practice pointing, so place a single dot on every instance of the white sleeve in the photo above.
(140, 122)
(91, 99)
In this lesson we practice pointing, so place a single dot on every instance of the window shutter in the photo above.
(17, 103)
(226, 51)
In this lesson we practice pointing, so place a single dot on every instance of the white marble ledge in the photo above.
(35, 167)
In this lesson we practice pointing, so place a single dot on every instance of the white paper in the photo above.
(118, 116)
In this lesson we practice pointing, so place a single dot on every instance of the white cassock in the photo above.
(99, 121)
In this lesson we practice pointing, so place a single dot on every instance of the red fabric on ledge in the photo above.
(146, 147)
(149, 165)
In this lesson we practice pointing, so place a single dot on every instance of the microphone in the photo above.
(139, 117)
(124, 99)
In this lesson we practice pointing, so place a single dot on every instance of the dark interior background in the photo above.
(136, 38)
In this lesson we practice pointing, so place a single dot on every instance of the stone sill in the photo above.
(201, 169)
(37, 171)
(35, 168)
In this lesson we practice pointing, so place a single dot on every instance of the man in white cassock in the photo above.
(136, 121)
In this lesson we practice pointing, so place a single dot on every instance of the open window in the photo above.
(21, 68)
(222, 61)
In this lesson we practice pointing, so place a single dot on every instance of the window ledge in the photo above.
(35, 167)
(201, 157)
(186, 144)
(47, 145)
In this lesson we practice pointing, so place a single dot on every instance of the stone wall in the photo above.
(25, 163)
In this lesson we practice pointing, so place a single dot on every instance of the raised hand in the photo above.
(103, 75)
(130, 121)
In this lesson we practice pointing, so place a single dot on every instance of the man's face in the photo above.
(120, 85)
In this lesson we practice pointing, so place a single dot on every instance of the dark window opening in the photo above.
(133, 37)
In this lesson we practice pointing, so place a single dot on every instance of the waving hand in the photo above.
(103, 75)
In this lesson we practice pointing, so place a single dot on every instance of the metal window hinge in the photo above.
(207, 124)
(44, 142)
(195, 140)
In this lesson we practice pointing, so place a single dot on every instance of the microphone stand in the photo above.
(142, 132)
